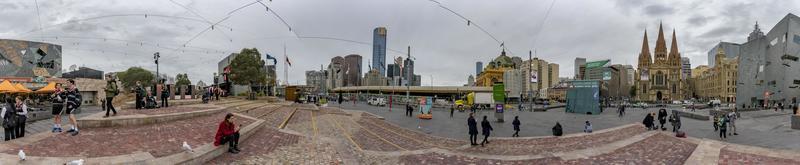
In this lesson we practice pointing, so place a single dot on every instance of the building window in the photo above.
(659, 78)
(674, 88)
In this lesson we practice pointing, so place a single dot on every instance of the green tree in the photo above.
(129, 77)
(247, 68)
(182, 79)
(633, 91)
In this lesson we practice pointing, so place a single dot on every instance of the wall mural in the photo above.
(29, 59)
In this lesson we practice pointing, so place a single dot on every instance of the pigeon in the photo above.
(186, 147)
(75, 162)
(21, 155)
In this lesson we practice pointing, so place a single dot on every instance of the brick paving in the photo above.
(157, 111)
(553, 144)
(258, 112)
(263, 142)
(727, 156)
(436, 140)
(274, 119)
(403, 141)
(158, 139)
(656, 149)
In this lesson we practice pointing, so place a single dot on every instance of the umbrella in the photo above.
(22, 89)
(7, 87)
(50, 88)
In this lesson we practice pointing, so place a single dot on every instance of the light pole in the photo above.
(156, 56)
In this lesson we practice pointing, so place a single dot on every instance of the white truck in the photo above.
(483, 100)
(378, 101)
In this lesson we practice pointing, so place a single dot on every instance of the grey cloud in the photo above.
(698, 20)
(658, 10)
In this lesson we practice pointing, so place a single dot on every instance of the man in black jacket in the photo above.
(139, 90)
(164, 95)
(487, 129)
(516, 124)
(73, 102)
(473, 129)
(662, 118)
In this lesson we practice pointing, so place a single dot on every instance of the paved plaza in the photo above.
(289, 133)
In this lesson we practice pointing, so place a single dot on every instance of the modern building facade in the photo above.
(379, 50)
(659, 79)
(578, 70)
(768, 64)
(353, 68)
(686, 68)
(478, 67)
(316, 80)
(731, 51)
(336, 73)
(29, 59)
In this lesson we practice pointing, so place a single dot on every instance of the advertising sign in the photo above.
(534, 77)
(644, 75)
(607, 75)
(499, 108)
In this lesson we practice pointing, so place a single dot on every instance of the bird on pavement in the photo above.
(186, 147)
(21, 155)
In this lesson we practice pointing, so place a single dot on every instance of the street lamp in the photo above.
(156, 56)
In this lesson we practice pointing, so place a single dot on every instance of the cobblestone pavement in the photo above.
(732, 157)
(554, 144)
(158, 139)
(274, 119)
(263, 142)
(441, 142)
(657, 149)
(167, 110)
(46, 125)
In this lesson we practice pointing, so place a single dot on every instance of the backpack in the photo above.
(10, 119)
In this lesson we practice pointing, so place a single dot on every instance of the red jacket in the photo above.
(224, 129)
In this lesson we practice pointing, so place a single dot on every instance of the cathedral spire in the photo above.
(644, 56)
(674, 47)
(661, 45)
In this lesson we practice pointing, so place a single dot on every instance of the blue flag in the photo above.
(275, 61)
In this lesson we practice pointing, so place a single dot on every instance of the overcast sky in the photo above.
(103, 34)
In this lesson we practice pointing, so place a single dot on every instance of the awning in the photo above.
(50, 88)
(7, 87)
(22, 89)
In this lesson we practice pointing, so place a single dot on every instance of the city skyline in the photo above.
(444, 45)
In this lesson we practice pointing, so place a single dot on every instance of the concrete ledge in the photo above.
(131, 104)
(97, 120)
(207, 152)
(697, 116)
(795, 122)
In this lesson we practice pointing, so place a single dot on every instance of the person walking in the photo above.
(716, 123)
(111, 91)
(473, 129)
(22, 116)
(487, 130)
(9, 116)
(723, 127)
(58, 98)
(452, 109)
(621, 110)
(516, 124)
(409, 110)
(164, 95)
(675, 119)
(74, 100)
(662, 118)
(731, 122)
(587, 127)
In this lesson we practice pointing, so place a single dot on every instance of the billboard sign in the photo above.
(606, 75)
(644, 75)
(534, 77)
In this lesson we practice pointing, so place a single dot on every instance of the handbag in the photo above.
(10, 120)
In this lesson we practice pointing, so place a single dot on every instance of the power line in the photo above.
(541, 25)
(277, 16)
(470, 22)
(39, 16)
(207, 21)
(145, 15)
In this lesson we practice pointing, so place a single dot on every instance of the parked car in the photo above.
(377, 101)
(715, 102)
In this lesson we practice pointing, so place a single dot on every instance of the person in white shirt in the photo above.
(22, 112)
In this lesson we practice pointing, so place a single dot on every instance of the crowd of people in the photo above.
(486, 129)
(662, 116)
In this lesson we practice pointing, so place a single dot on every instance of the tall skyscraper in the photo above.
(578, 72)
(353, 70)
(379, 50)
(478, 67)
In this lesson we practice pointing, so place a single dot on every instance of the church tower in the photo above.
(644, 56)
(661, 47)
(674, 55)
